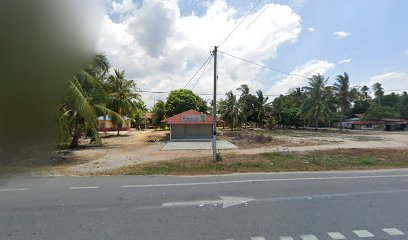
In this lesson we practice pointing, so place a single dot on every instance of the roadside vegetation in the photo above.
(316, 105)
(341, 159)
(92, 92)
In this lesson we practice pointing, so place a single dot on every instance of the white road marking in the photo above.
(12, 189)
(264, 180)
(309, 237)
(257, 238)
(78, 188)
(363, 233)
(225, 201)
(286, 238)
(393, 232)
(336, 235)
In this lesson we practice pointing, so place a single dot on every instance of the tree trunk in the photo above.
(341, 121)
(75, 137)
(118, 126)
(316, 124)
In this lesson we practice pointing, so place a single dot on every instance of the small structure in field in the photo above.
(106, 124)
(190, 124)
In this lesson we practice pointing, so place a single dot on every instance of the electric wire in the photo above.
(202, 73)
(209, 57)
(239, 24)
(264, 66)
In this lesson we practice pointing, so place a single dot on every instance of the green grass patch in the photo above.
(351, 159)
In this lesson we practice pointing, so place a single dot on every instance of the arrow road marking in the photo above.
(225, 201)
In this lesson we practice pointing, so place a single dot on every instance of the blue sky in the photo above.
(160, 45)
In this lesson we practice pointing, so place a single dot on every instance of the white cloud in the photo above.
(161, 50)
(341, 34)
(344, 61)
(310, 68)
(124, 7)
(389, 81)
(311, 29)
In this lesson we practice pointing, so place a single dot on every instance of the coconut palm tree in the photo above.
(122, 97)
(343, 95)
(364, 90)
(317, 106)
(262, 107)
(84, 101)
(378, 92)
(230, 111)
(244, 102)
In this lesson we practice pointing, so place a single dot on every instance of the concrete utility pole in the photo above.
(215, 106)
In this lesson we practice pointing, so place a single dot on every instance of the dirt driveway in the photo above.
(135, 147)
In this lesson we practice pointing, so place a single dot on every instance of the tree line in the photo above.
(316, 105)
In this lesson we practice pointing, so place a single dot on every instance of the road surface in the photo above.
(284, 206)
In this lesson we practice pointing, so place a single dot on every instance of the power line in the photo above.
(259, 15)
(202, 73)
(202, 94)
(264, 66)
(209, 57)
(395, 90)
(233, 30)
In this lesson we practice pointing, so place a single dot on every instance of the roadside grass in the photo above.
(344, 159)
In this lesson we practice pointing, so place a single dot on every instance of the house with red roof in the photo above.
(190, 124)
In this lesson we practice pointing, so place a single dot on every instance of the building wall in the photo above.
(191, 131)
(108, 125)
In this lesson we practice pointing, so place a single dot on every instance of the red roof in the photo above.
(189, 117)
(380, 122)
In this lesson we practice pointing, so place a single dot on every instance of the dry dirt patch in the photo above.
(141, 147)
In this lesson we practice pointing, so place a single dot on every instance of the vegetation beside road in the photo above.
(341, 159)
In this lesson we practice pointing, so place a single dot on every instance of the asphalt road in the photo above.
(299, 206)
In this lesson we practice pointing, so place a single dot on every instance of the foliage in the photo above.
(230, 110)
(376, 112)
(91, 92)
(378, 92)
(159, 110)
(122, 97)
(182, 100)
(319, 103)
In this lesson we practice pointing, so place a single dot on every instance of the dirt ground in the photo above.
(137, 147)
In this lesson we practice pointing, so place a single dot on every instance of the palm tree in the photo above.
(244, 103)
(229, 110)
(262, 107)
(378, 91)
(317, 106)
(342, 88)
(364, 90)
(85, 99)
(122, 97)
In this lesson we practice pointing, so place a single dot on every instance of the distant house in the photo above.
(386, 124)
(348, 124)
(106, 124)
(190, 124)
(148, 117)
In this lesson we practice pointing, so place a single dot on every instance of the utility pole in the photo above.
(215, 106)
